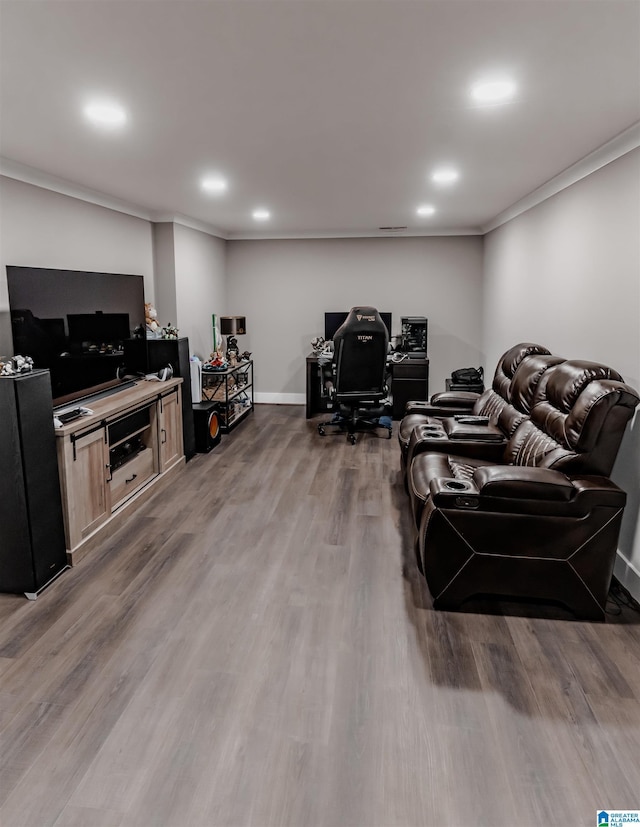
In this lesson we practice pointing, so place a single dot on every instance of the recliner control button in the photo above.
(466, 502)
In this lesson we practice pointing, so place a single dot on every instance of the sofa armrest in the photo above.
(444, 404)
(454, 399)
(509, 490)
(523, 483)
(457, 430)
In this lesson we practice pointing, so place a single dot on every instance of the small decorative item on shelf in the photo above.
(169, 332)
(216, 361)
(151, 321)
(232, 326)
(15, 365)
(245, 356)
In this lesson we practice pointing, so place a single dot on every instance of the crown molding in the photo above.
(191, 223)
(446, 231)
(623, 143)
(31, 175)
(618, 146)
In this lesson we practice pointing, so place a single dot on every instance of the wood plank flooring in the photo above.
(256, 647)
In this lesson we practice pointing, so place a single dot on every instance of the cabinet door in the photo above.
(410, 381)
(170, 429)
(85, 482)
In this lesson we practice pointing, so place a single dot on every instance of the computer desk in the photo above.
(408, 379)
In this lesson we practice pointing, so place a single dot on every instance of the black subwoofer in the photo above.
(207, 426)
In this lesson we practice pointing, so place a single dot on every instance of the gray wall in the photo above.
(183, 269)
(41, 228)
(566, 274)
(284, 288)
(164, 271)
(200, 285)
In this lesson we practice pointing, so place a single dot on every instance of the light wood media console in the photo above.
(115, 458)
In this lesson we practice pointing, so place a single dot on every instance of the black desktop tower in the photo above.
(32, 542)
(207, 426)
(414, 335)
(160, 353)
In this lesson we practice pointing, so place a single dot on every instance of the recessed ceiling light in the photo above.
(425, 209)
(493, 91)
(261, 214)
(445, 175)
(214, 184)
(106, 114)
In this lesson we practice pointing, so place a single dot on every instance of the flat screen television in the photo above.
(76, 324)
(332, 322)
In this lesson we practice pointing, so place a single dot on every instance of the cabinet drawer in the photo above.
(131, 476)
(410, 369)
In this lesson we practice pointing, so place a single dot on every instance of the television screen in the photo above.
(76, 324)
(332, 322)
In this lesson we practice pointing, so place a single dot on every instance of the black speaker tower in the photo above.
(32, 543)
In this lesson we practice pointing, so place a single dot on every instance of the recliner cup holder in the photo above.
(455, 485)
(431, 431)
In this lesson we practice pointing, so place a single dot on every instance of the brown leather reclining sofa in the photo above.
(513, 498)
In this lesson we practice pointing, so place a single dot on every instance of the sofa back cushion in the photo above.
(578, 416)
(492, 401)
(530, 373)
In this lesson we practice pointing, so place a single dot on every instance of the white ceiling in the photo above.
(331, 114)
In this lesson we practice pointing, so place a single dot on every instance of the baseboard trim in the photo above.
(628, 575)
(280, 399)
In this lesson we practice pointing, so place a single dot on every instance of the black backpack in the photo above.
(467, 376)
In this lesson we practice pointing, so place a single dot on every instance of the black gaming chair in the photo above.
(357, 381)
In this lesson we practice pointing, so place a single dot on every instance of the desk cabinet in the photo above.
(317, 400)
(410, 380)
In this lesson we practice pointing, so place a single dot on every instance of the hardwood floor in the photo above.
(256, 647)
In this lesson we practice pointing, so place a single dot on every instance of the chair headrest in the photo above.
(362, 321)
(569, 379)
(508, 364)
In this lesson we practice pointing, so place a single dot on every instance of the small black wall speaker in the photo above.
(207, 426)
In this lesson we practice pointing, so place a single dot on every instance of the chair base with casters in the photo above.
(350, 421)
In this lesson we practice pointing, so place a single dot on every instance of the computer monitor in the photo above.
(332, 321)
